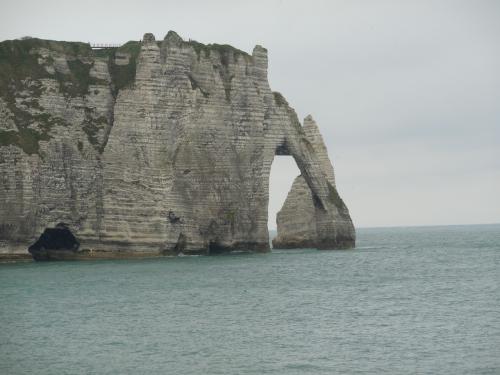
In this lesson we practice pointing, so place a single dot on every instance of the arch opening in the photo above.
(284, 171)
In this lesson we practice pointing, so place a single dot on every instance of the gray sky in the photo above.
(406, 93)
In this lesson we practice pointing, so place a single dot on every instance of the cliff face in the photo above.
(151, 148)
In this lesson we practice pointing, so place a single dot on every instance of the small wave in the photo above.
(398, 247)
(303, 366)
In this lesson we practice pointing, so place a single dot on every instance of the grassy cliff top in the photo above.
(21, 46)
(220, 48)
(23, 65)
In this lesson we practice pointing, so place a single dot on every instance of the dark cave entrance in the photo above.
(58, 238)
(214, 248)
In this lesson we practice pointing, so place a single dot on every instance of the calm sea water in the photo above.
(408, 300)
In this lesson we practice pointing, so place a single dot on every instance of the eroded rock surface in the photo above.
(154, 148)
(297, 221)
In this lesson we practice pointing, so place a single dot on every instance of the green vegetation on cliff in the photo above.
(224, 50)
(26, 139)
(21, 60)
(335, 197)
(24, 63)
(21, 69)
(122, 76)
(279, 99)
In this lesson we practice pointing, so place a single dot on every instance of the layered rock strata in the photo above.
(152, 148)
(297, 225)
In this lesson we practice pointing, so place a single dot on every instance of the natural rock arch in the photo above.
(324, 221)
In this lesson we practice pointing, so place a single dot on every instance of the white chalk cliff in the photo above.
(154, 148)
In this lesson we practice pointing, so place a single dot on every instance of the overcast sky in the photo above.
(406, 93)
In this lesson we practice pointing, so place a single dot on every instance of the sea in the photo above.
(415, 300)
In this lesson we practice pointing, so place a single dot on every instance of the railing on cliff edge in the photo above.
(115, 45)
(103, 45)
